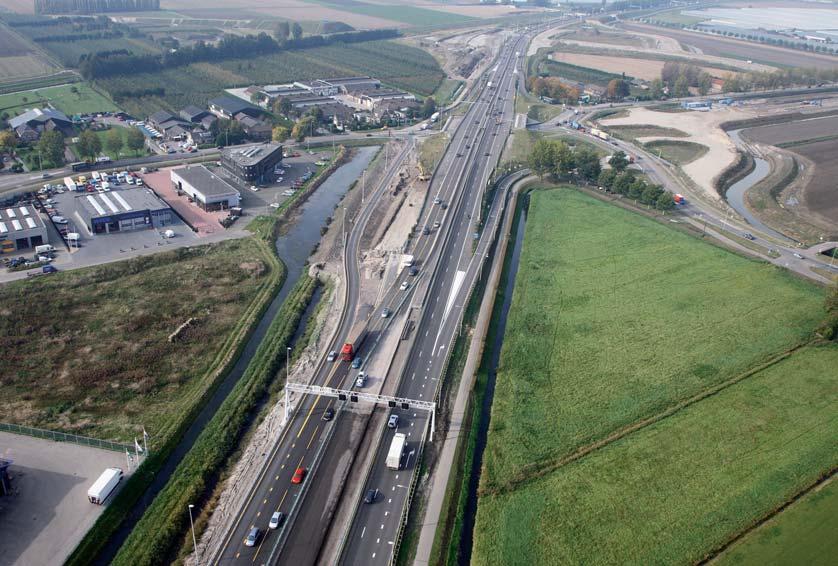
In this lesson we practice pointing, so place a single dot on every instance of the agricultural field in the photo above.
(575, 73)
(743, 50)
(701, 476)
(405, 13)
(801, 534)
(815, 140)
(90, 352)
(395, 64)
(639, 68)
(676, 151)
(588, 358)
(676, 17)
(19, 59)
(596, 341)
(78, 98)
(644, 131)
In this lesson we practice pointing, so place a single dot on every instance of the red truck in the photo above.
(347, 353)
(679, 199)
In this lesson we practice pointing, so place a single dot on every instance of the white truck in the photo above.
(434, 117)
(104, 486)
(394, 456)
(69, 183)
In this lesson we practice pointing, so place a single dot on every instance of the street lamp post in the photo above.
(287, 356)
(363, 186)
(192, 524)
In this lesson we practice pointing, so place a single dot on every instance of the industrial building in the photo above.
(253, 163)
(21, 227)
(123, 211)
(208, 190)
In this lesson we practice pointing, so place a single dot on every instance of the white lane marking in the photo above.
(378, 540)
(364, 530)
(382, 526)
(389, 501)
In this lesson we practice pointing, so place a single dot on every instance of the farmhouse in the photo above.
(122, 211)
(252, 163)
(30, 125)
(208, 190)
(253, 128)
(21, 227)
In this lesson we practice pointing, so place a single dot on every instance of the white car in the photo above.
(254, 188)
(361, 380)
(59, 220)
(404, 286)
(797, 255)
(276, 519)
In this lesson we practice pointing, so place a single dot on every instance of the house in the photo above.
(208, 121)
(369, 99)
(253, 128)
(337, 113)
(394, 109)
(162, 117)
(193, 114)
(227, 107)
(31, 124)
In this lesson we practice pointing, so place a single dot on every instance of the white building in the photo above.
(208, 190)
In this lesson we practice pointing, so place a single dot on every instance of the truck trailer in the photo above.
(70, 184)
(394, 456)
(104, 486)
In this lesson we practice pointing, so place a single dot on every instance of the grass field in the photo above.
(86, 100)
(89, 353)
(413, 15)
(631, 132)
(677, 152)
(576, 72)
(125, 152)
(801, 534)
(19, 59)
(676, 17)
(676, 490)
(616, 317)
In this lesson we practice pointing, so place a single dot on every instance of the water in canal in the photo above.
(508, 285)
(293, 247)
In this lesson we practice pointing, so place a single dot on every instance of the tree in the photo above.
(317, 114)
(89, 145)
(75, 91)
(428, 107)
(682, 87)
(256, 97)
(228, 132)
(283, 106)
(650, 194)
(114, 142)
(134, 140)
(541, 158)
(636, 189)
(617, 89)
(51, 147)
(303, 127)
(619, 161)
(606, 178)
(563, 159)
(705, 82)
(8, 141)
(280, 133)
(296, 31)
(587, 163)
(656, 89)
(664, 201)
(623, 183)
(282, 31)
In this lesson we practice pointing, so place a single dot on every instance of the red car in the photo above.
(299, 474)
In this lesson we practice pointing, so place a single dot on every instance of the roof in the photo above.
(351, 80)
(39, 115)
(19, 218)
(233, 105)
(250, 154)
(205, 181)
(119, 202)
(192, 113)
(161, 116)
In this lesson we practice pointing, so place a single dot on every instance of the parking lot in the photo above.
(48, 512)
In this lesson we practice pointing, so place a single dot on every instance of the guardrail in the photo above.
(65, 437)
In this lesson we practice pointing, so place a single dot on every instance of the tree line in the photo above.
(94, 6)
(557, 160)
(107, 64)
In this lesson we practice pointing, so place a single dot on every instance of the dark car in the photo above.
(328, 414)
(413, 271)
(371, 496)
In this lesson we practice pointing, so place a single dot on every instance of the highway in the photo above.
(373, 536)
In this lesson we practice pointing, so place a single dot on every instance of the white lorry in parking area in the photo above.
(394, 456)
(104, 486)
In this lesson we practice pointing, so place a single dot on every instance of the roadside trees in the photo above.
(134, 140)
(114, 142)
(619, 161)
(51, 148)
(89, 145)
(587, 163)
(280, 133)
(8, 141)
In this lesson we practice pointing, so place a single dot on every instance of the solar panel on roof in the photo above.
(30, 222)
(11, 213)
(3, 229)
(24, 210)
(16, 225)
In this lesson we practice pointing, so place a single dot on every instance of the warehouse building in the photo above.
(123, 211)
(208, 190)
(253, 163)
(21, 228)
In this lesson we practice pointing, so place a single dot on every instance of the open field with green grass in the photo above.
(615, 318)
(84, 100)
(803, 533)
(677, 489)
(125, 152)
(675, 17)
(90, 352)
(677, 152)
(413, 15)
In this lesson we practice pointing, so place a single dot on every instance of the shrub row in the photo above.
(155, 537)
(739, 170)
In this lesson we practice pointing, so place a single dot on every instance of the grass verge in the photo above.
(677, 152)
(155, 536)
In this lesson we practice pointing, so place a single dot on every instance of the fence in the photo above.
(64, 437)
